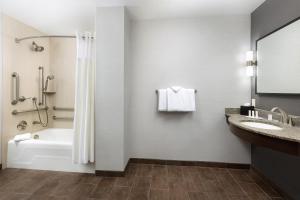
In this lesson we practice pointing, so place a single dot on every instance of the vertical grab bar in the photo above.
(15, 87)
(41, 85)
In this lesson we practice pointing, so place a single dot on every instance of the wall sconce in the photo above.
(250, 63)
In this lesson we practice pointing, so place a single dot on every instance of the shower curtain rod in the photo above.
(17, 40)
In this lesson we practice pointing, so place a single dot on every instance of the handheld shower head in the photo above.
(50, 77)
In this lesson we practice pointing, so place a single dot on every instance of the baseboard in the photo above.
(190, 163)
(110, 173)
(170, 162)
(107, 173)
(268, 181)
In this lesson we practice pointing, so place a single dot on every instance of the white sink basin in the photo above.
(261, 125)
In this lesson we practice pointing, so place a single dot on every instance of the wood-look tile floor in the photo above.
(153, 182)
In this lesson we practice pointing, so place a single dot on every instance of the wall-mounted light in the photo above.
(250, 63)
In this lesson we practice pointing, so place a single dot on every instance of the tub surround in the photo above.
(19, 58)
(62, 65)
(57, 53)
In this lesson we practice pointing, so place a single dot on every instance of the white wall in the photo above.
(109, 95)
(127, 60)
(1, 68)
(205, 54)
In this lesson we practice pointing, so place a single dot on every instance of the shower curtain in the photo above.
(83, 141)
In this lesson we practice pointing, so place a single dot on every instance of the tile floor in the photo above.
(153, 182)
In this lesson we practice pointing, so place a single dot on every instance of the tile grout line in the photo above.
(151, 178)
(255, 184)
(163, 173)
(247, 195)
(262, 190)
(184, 178)
(131, 186)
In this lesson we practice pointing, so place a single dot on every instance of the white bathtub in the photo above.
(52, 151)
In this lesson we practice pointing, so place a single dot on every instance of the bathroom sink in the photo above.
(261, 125)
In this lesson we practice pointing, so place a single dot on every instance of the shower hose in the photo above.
(39, 114)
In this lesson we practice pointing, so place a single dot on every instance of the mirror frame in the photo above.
(255, 71)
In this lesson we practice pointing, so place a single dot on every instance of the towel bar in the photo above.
(157, 91)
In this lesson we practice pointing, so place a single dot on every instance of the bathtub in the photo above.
(52, 151)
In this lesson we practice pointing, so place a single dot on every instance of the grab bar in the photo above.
(16, 112)
(15, 88)
(63, 108)
(62, 118)
(157, 91)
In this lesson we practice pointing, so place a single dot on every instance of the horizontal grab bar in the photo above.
(63, 108)
(157, 91)
(15, 112)
(62, 118)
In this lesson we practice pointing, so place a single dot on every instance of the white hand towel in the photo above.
(162, 100)
(22, 137)
(190, 98)
(181, 101)
(176, 88)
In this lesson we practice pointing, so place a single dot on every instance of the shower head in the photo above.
(50, 77)
(36, 47)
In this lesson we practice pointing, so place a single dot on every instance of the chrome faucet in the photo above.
(284, 116)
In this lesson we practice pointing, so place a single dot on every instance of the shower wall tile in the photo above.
(18, 57)
(62, 66)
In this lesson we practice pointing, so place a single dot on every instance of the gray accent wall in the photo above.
(281, 168)
(270, 16)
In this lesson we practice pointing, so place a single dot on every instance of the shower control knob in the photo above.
(22, 125)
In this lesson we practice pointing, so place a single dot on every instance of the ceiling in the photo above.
(53, 16)
(67, 16)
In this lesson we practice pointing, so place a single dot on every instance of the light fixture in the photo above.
(250, 63)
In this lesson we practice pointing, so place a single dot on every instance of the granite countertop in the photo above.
(287, 132)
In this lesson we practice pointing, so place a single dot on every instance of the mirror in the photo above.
(278, 61)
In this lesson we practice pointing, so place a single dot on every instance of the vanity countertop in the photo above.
(287, 132)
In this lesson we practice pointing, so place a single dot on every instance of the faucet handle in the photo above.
(290, 121)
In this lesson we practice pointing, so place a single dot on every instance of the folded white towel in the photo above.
(176, 88)
(180, 99)
(162, 100)
(22, 137)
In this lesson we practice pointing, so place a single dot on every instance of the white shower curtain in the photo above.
(83, 141)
